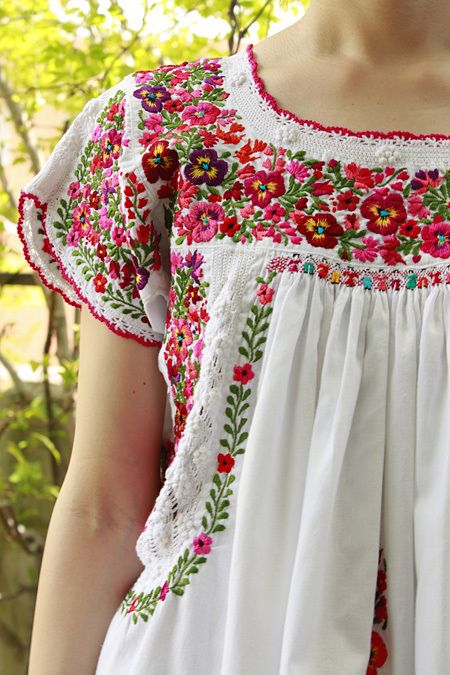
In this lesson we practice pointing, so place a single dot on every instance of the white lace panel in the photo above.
(176, 515)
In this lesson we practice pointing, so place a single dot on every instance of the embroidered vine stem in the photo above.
(215, 508)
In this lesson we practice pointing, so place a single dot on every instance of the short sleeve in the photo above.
(90, 224)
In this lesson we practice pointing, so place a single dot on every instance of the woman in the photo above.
(281, 272)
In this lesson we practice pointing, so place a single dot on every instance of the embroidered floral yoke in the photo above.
(294, 278)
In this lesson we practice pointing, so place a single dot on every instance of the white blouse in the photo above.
(294, 278)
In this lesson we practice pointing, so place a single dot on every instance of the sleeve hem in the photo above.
(78, 295)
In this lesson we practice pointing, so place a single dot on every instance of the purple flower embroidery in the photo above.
(152, 98)
(195, 261)
(205, 167)
(141, 274)
(107, 187)
(215, 80)
(423, 179)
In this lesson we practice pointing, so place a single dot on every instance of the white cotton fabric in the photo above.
(348, 419)
(348, 451)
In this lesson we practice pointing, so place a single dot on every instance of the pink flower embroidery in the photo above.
(164, 590)
(274, 212)
(265, 294)
(81, 217)
(298, 169)
(202, 544)
(204, 219)
(436, 239)
(202, 113)
(74, 190)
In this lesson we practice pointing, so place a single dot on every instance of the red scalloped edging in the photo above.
(395, 134)
(43, 207)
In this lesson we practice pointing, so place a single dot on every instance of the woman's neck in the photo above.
(374, 31)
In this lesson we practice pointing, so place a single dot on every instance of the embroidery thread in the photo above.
(232, 443)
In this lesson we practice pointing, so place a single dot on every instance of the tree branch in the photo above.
(233, 11)
(135, 37)
(259, 13)
(19, 386)
(4, 182)
(29, 540)
(12, 595)
(18, 120)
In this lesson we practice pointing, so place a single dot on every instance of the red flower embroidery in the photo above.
(102, 251)
(243, 373)
(262, 187)
(378, 654)
(320, 230)
(159, 161)
(378, 650)
(132, 607)
(81, 217)
(225, 462)
(384, 211)
(381, 581)
(230, 226)
(381, 610)
(110, 147)
(100, 282)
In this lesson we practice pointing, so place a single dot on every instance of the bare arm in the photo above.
(110, 488)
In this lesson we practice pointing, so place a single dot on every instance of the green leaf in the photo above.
(192, 570)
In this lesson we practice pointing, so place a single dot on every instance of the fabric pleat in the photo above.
(347, 460)
(317, 446)
(432, 491)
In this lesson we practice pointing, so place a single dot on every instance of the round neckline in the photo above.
(397, 134)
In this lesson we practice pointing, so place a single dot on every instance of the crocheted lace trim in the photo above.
(263, 118)
(177, 512)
